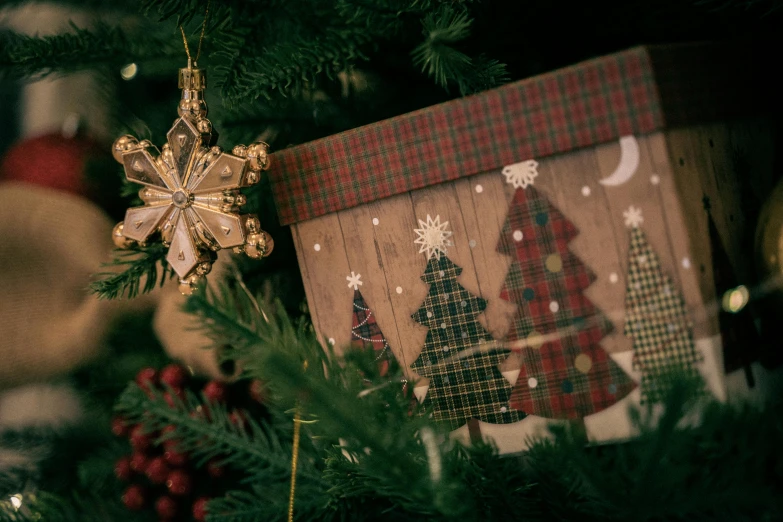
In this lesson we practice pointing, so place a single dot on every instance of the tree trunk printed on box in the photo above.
(656, 318)
(565, 372)
(465, 380)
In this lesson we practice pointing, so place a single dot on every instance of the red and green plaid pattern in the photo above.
(565, 373)
(367, 335)
(656, 318)
(465, 381)
(580, 106)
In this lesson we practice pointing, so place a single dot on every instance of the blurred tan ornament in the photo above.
(769, 240)
(191, 190)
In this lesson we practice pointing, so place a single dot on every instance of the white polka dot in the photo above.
(517, 235)
(585, 191)
(642, 260)
(479, 189)
(446, 297)
(637, 286)
(465, 336)
(445, 348)
(472, 243)
(613, 278)
(464, 304)
(331, 341)
(441, 273)
(532, 382)
(655, 179)
(375, 221)
(671, 327)
(554, 306)
(429, 314)
(398, 289)
(443, 325)
(686, 263)
(502, 409)
(317, 247)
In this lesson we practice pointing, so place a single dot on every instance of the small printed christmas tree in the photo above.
(565, 372)
(741, 341)
(365, 332)
(656, 318)
(465, 379)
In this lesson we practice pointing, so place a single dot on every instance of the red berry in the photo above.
(157, 470)
(200, 509)
(174, 376)
(120, 427)
(139, 462)
(178, 482)
(216, 391)
(172, 456)
(139, 440)
(215, 469)
(147, 378)
(134, 497)
(166, 507)
(122, 469)
(258, 391)
(238, 419)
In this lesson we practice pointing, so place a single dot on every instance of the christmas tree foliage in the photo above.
(565, 373)
(656, 318)
(465, 381)
(367, 335)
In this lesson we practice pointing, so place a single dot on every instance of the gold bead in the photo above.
(239, 150)
(193, 109)
(120, 241)
(257, 156)
(204, 126)
(240, 200)
(191, 284)
(252, 177)
(123, 144)
(252, 224)
(204, 268)
(259, 245)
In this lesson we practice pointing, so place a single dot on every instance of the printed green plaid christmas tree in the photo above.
(465, 380)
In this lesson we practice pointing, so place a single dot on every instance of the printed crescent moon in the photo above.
(629, 162)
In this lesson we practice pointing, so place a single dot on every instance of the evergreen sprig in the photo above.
(147, 264)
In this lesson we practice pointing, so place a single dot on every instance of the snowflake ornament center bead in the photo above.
(191, 190)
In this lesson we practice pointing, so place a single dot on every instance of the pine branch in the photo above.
(438, 57)
(147, 264)
(30, 56)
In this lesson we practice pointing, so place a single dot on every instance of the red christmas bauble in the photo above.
(179, 482)
(200, 509)
(51, 160)
(157, 470)
(172, 456)
(134, 497)
(139, 462)
(174, 375)
(216, 391)
(147, 378)
(139, 440)
(215, 469)
(166, 507)
(120, 427)
(122, 469)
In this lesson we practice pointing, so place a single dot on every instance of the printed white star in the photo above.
(354, 280)
(433, 237)
(633, 217)
(521, 174)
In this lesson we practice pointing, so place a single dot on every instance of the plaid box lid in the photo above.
(637, 91)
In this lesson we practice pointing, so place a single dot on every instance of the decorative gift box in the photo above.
(548, 250)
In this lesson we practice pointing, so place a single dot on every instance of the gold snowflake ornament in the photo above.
(191, 190)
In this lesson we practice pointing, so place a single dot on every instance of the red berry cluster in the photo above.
(163, 472)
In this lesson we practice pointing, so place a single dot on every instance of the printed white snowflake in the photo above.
(433, 237)
(354, 280)
(521, 174)
(633, 217)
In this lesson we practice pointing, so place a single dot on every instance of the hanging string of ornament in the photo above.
(191, 187)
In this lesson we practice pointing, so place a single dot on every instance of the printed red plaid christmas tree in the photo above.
(565, 373)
